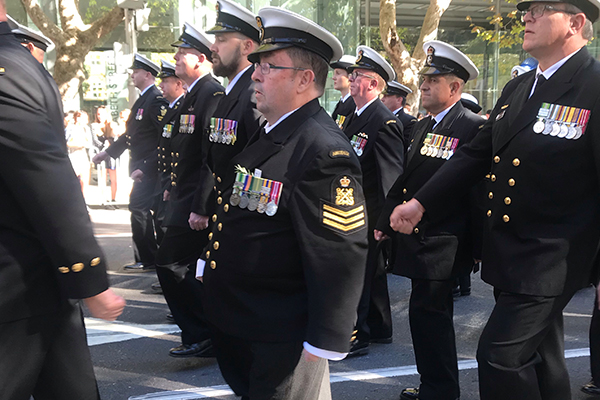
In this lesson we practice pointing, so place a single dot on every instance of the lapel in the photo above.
(358, 122)
(265, 146)
(420, 130)
(558, 84)
(232, 98)
(445, 125)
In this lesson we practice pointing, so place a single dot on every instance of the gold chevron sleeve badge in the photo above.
(343, 219)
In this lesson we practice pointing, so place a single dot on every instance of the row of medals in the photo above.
(561, 129)
(223, 131)
(254, 201)
(437, 152)
(558, 129)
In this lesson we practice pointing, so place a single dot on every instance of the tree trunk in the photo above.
(407, 67)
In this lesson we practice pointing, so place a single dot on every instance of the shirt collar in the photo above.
(196, 81)
(231, 84)
(175, 101)
(145, 90)
(269, 127)
(438, 118)
(363, 108)
(550, 71)
(397, 111)
(343, 99)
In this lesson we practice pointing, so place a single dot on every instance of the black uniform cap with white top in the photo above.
(166, 70)
(397, 89)
(345, 62)
(231, 17)
(590, 8)
(26, 35)
(281, 29)
(192, 38)
(443, 58)
(141, 62)
(367, 58)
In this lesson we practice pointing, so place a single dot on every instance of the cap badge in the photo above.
(261, 27)
(217, 8)
(360, 54)
(430, 54)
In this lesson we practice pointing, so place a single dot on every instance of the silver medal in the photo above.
(244, 201)
(271, 208)
(538, 127)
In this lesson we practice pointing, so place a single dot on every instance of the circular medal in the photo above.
(445, 154)
(253, 203)
(440, 152)
(538, 127)
(572, 132)
(424, 150)
(271, 208)
(579, 133)
(547, 127)
(262, 206)
(228, 139)
(430, 151)
(564, 130)
(234, 200)
(555, 129)
(450, 154)
(244, 201)
(359, 152)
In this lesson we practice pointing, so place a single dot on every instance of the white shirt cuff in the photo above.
(200, 268)
(330, 355)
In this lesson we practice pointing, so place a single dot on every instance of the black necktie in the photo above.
(541, 80)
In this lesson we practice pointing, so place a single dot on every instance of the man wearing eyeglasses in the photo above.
(540, 148)
(285, 262)
(375, 134)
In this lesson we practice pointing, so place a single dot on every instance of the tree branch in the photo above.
(69, 16)
(42, 21)
(102, 26)
(430, 27)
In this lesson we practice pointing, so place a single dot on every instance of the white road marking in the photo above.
(379, 373)
(113, 235)
(103, 332)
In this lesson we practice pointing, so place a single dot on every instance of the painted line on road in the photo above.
(102, 332)
(379, 373)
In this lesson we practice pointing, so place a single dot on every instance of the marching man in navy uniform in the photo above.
(236, 118)
(141, 138)
(394, 98)
(341, 82)
(185, 238)
(50, 258)
(173, 90)
(35, 42)
(285, 263)
(376, 137)
(438, 250)
(542, 146)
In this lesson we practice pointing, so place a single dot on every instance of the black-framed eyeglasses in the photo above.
(265, 68)
(355, 74)
(536, 11)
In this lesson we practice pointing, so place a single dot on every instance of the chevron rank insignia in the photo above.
(344, 214)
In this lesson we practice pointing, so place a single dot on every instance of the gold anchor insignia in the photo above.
(344, 195)
(430, 54)
(261, 27)
(360, 54)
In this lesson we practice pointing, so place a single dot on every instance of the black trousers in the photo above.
(595, 343)
(176, 270)
(270, 371)
(521, 349)
(374, 312)
(141, 201)
(47, 356)
(430, 313)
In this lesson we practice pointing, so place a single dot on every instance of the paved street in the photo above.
(132, 362)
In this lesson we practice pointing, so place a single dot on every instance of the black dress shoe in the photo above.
(156, 287)
(409, 394)
(358, 348)
(591, 388)
(200, 349)
(139, 267)
(383, 340)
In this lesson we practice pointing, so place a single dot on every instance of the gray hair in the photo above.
(588, 30)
